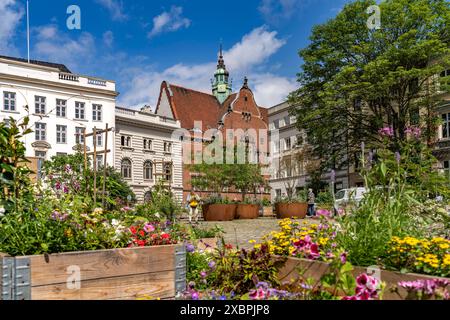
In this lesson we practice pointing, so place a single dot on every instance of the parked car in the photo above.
(348, 197)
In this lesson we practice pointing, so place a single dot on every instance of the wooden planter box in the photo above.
(219, 212)
(117, 274)
(247, 211)
(291, 210)
(316, 269)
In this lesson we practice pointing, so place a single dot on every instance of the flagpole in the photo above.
(28, 32)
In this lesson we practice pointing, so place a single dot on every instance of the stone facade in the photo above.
(60, 105)
(289, 164)
(143, 143)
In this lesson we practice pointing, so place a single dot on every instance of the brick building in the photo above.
(219, 111)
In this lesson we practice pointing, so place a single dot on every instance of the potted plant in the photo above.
(267, 208)
(215, 208)
(295, 207)
(248, 209)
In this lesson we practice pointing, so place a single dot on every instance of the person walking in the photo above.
(193, 200)
(311, 203)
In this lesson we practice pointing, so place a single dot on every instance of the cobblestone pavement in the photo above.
(240, 232)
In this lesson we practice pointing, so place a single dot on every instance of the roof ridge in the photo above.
(183, 87)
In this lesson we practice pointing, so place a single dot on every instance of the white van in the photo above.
(346, 197)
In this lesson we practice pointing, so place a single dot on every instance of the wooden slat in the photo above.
(160, 284)
(101, 264)
(316, 269)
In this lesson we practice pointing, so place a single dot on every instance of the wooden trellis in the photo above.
(105, 152)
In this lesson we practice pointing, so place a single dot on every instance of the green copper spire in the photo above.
(221, 86)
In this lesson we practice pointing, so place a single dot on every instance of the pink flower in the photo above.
(386, 132)
(149, 228)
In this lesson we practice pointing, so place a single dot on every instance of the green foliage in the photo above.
(324, 198)
(238, 271)
(16, 191)
(355, 81)
(205, 233)
(67, 173)
(196, 264)
(397, 183)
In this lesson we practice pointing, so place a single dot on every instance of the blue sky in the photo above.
(139, 43)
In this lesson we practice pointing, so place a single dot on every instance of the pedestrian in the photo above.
(311, 203)
(193, 201)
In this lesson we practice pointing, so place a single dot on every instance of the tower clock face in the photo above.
(222, 88)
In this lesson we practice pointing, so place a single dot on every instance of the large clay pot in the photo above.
(247, 211)
(218, 212)
(291, 210)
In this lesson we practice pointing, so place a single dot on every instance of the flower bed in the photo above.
(95, 275)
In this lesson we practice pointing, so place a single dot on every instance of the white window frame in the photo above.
(97, 114)
(40, 105)
(446, 125)
(9, 101)
(61, 134)
(40, 132)
(61, 108)
(80, 110)
(79, 138)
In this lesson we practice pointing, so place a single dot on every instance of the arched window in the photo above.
(126, 168)
(148, 170)
(168, 171)
(148, 197)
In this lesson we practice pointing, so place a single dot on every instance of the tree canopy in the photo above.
(355, 80)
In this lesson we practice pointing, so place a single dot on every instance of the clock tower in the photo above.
(221, 87)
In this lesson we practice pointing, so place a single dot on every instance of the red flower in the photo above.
(133, 230)
(165, 236)
(142, 233)
(141, 243)
(228, 246)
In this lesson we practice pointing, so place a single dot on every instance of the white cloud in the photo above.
(11, 14)
(53, 45)
(253, 49)
(108, 38)
(142, 83)
(115, 8)
(169, 21)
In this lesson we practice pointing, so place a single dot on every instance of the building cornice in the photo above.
(58, 85)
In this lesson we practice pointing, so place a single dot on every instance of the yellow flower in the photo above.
(252, 241)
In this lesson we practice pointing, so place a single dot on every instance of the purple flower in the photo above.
(223, 298)
(386, 132)
(76, 185)
(343, 257)
(58, 185)
(212, 264)
(191, 285)
(66, 189)
(190, 248)
(203, 274)
(68, 168)
(416, 132)
(194, 296)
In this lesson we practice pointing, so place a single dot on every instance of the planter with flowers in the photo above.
(147, 267)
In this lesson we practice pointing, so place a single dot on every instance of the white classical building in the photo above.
(61, 105)
(146, 150)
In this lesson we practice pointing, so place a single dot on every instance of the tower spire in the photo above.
(220, 85)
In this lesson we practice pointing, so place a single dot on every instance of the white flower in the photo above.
(157, 215)
(2, 212)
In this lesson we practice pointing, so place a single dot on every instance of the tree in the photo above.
(355, 81)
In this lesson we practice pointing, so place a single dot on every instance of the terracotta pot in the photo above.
(218, 212)
(247, 211)
(291, 210)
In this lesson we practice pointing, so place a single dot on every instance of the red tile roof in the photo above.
(190, 105)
